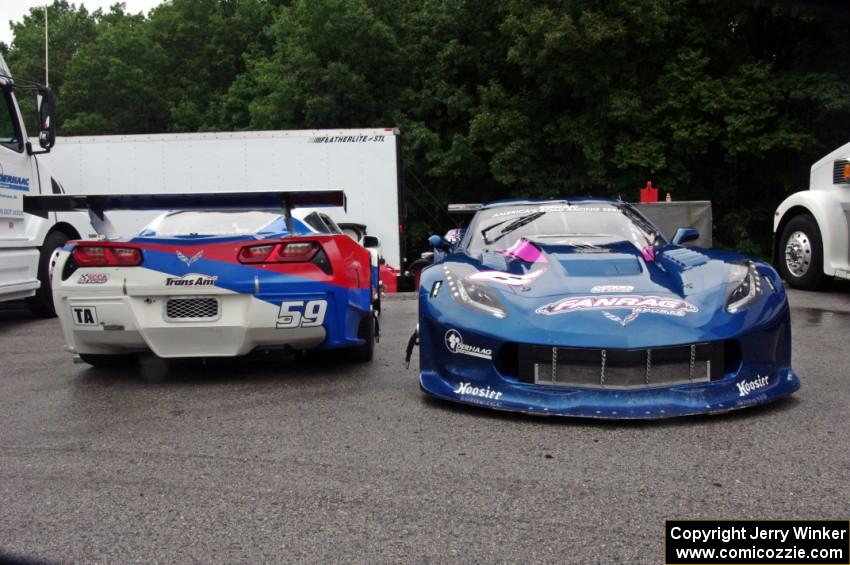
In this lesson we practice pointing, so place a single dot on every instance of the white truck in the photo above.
(365, 163)
(811, 228)
(27, 242)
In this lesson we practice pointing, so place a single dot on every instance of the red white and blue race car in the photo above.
(223, 275)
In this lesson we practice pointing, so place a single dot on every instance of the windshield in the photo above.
(559, 223)
(211, 223)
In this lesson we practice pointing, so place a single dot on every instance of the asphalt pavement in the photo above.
(323, 461)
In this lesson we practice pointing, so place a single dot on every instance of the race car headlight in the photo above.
(744, 286)
(475, 296)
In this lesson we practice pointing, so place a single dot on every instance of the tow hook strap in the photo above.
(411, 343)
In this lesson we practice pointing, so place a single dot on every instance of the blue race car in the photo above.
(583, 308)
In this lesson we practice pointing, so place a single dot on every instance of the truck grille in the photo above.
(191, 309)
(620, 368)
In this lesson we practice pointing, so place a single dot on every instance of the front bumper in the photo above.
(726, 372)
(650, 403)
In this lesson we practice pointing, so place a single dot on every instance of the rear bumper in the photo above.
(126, 324)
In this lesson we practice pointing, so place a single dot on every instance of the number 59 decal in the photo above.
(297, 314)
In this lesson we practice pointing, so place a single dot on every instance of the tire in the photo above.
(416, 269)
(364, 353)
(42, 303)
(99, 360)
(800, 253)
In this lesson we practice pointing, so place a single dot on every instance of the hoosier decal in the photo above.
(746, 387)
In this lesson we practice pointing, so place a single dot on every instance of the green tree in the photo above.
(115, 82)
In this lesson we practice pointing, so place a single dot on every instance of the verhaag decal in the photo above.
(636, 304)
(84, 315)
(455, 344)
(746, 387)
(191, 279)
(93, 278)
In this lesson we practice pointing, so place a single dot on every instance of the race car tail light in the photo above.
(299, 252)
(255, 254)
(287, 252)
(106, 256)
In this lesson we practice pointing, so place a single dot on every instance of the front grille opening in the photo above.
(731, 356)
(621, 368)
(507, 360)
(191, 309)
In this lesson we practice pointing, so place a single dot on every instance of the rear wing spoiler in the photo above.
(98, 204)
(464, 208)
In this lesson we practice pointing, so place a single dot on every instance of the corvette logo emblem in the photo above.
(190, 260)
(637, 304)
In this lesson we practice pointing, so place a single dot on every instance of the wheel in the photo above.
(42, 303)
(365, 352)
(801, 253)
(100, 360)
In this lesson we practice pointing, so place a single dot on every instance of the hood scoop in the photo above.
(585, 259)
(601, 267)
(685, 257)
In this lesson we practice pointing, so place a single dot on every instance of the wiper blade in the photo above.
(512, 226)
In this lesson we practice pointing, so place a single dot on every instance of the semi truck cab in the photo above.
(26, 242)
(811, 228)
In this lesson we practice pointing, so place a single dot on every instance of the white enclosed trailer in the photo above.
(365, 163)
(811, 228)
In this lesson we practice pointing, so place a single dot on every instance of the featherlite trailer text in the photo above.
(27, 242)
(365, 163)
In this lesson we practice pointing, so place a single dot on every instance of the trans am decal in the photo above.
(505, 278)
(192, 279)
(636, 303)
(455, 344)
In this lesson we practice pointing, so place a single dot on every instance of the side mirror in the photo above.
(46, 123)
(370, 241)
(438, 242)
(684, 235)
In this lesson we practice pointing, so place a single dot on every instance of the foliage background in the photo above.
(727, 100)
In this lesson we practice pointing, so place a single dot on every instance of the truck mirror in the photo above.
(46, 122)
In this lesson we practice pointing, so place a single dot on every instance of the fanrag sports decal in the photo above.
(637, 305)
